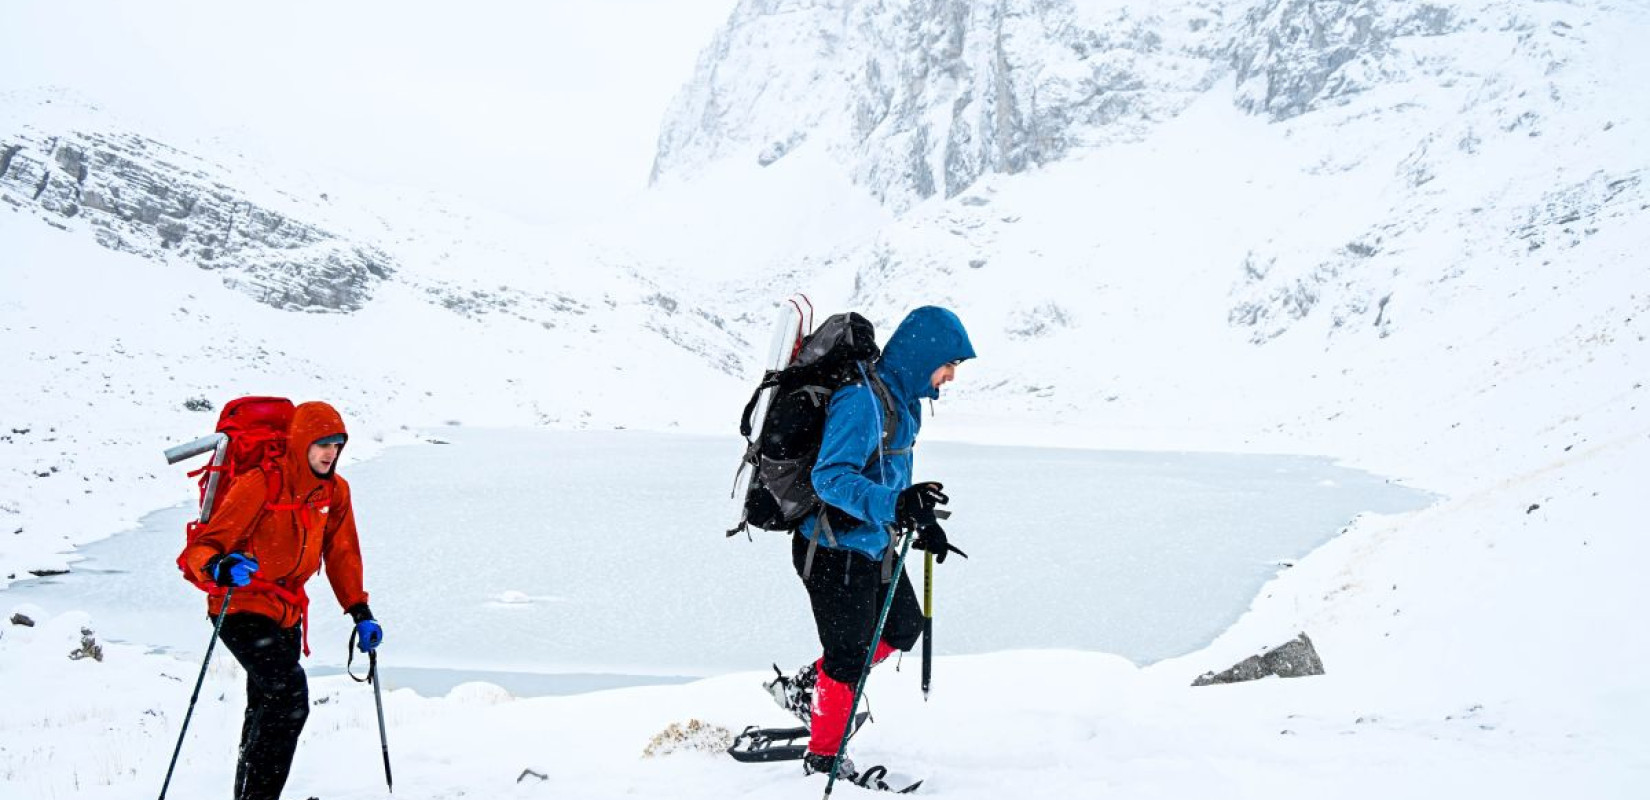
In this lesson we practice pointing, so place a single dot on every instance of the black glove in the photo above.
(915, 506)
(359, 612)
(931, 537)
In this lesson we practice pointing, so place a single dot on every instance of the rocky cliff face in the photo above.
(919, 98)
(139, 196)
(1290, 56)
(300, 250)
(1496, 137)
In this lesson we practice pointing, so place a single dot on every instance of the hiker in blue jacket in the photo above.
(845, 553)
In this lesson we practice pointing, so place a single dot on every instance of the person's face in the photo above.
(944, 375)
(323, 456)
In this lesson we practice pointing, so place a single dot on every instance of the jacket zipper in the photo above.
(298, 517)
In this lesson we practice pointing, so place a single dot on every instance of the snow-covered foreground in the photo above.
(1447, 677)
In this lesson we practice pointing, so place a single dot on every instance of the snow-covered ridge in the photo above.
(1292, 56)
(920, 99)
(290, 242)
(141, 196)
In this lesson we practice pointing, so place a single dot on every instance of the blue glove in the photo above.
(232, 570)
(368, 634)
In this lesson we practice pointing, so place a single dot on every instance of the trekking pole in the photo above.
(383, 739)
(223, 611)
(870, 653)
(927, 622)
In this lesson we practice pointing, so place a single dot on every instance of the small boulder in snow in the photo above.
(1293, 659)
(20, 619)
(89, 648)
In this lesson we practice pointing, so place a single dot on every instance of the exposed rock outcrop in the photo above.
(139, 196)
(1293, 659)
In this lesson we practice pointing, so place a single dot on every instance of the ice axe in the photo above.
(218, 445)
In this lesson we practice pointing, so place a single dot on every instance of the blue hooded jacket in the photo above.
(849, 474)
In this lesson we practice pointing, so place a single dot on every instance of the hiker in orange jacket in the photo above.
(266, 548)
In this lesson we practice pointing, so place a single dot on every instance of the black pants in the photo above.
(847, 593)
(277, 702)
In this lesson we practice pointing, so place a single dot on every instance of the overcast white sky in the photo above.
(544, 108)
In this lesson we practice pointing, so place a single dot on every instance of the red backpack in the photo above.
(252, 434)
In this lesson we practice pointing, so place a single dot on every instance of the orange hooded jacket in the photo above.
(290, 544)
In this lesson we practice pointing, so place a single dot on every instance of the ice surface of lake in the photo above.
(600, 556)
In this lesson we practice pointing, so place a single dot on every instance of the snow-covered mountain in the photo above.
(920, 99)
(1321, 194)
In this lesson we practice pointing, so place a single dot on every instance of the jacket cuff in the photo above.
(359, 612)
(882, 508)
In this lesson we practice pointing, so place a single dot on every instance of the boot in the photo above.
(795, 693)
(814, 763)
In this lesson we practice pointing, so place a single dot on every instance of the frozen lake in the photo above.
(553, 562)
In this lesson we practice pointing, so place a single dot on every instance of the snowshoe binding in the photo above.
(759, 745)
(795, 693)
(873, 778)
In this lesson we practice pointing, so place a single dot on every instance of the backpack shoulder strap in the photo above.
(770, 379)
(890, 414)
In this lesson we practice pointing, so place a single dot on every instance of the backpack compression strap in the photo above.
(770, 379)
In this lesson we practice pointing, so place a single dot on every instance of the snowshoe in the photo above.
(877, 779)
(759, 745)
(873, 778)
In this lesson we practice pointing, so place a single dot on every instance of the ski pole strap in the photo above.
(349, 661)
